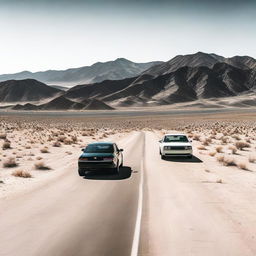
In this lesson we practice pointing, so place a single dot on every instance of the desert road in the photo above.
(153, 207)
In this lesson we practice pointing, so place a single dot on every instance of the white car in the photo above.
(175, 145)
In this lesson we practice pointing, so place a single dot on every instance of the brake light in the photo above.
(108, 158)
(83, 158)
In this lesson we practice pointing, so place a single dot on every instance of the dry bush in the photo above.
(252, 158)
(219, 149)
(220, 159)
(3, 136)
(41, 166)
(226, 160)
(27, 147)
(61, 138)
(236, 137)
(242, 144)
(6, 145)
(233, 149)
(44, 150)
(56, 144)
(22, 174)
(212, 153)
(224, 139)
(219, 181)
(68, 141)
(10, 162)
(242, 165)
(196, 137)
(39, 158)
(201, 147)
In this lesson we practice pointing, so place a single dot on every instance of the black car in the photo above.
(98, 156)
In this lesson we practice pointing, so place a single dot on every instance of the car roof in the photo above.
(175, 134)
(101, 143)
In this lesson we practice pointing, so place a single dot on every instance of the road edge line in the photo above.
(136, 236)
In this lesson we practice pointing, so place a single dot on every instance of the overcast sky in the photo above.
(59, 34)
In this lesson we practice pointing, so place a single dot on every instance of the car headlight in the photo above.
(188, 147)
(167, 147)
(83, 158)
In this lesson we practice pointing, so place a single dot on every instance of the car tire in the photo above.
(160, 153)
(162, 157)
(122, 164)
(81, 172)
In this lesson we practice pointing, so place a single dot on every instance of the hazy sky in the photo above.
(59, 34)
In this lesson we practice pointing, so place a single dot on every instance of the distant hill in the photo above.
(112, 70)
(62, 103)
(200, 59)
(25, 90)
(192, 77)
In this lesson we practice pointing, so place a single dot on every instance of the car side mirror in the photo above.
(160, 141)
(82, 149)
(190, 140)
(120, 150)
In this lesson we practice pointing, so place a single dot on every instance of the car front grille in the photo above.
(174, 148)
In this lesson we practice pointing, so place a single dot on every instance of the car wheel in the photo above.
(162, 157)
(160, 153)
(122, 164)
(81, 172)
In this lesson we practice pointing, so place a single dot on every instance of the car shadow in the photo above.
(125, 172)
(194, 159)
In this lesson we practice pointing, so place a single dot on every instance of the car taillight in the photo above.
(108, 158)
(83, 158)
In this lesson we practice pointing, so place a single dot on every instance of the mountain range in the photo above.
(185, 78)
(112, 70)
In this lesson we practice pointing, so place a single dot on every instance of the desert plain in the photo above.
(200, 206)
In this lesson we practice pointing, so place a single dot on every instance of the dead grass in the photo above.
(242, 165)
(212, 153)
(201, 147)
(44, 150)
(219, 149)
(21, 174)
(242, 144)
(41, 166)
(252, 158)
(10, 162)
(233, 149)
(6, 145)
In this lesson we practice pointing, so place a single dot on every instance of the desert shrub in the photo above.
(212, 153)
(6, 145)
(56, 144)
(41, 166)
(10, 162)
(44, 150)
(201, 147)
(242, 144)
(252, 158)
(233, 149)
(3, 136)
(219, 149)
(242, 165)
(22, 174)
(196, 137)
(61, 138)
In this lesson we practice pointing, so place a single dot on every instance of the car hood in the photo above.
(183, 144)
(97, 154)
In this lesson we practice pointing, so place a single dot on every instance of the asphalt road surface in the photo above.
(153, 207)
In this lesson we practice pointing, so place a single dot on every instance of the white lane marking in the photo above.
(136, 236)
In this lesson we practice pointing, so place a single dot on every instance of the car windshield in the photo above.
(175, 138)
(99, 148)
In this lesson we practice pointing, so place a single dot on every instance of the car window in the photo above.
(99, 148)
(175, 138)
